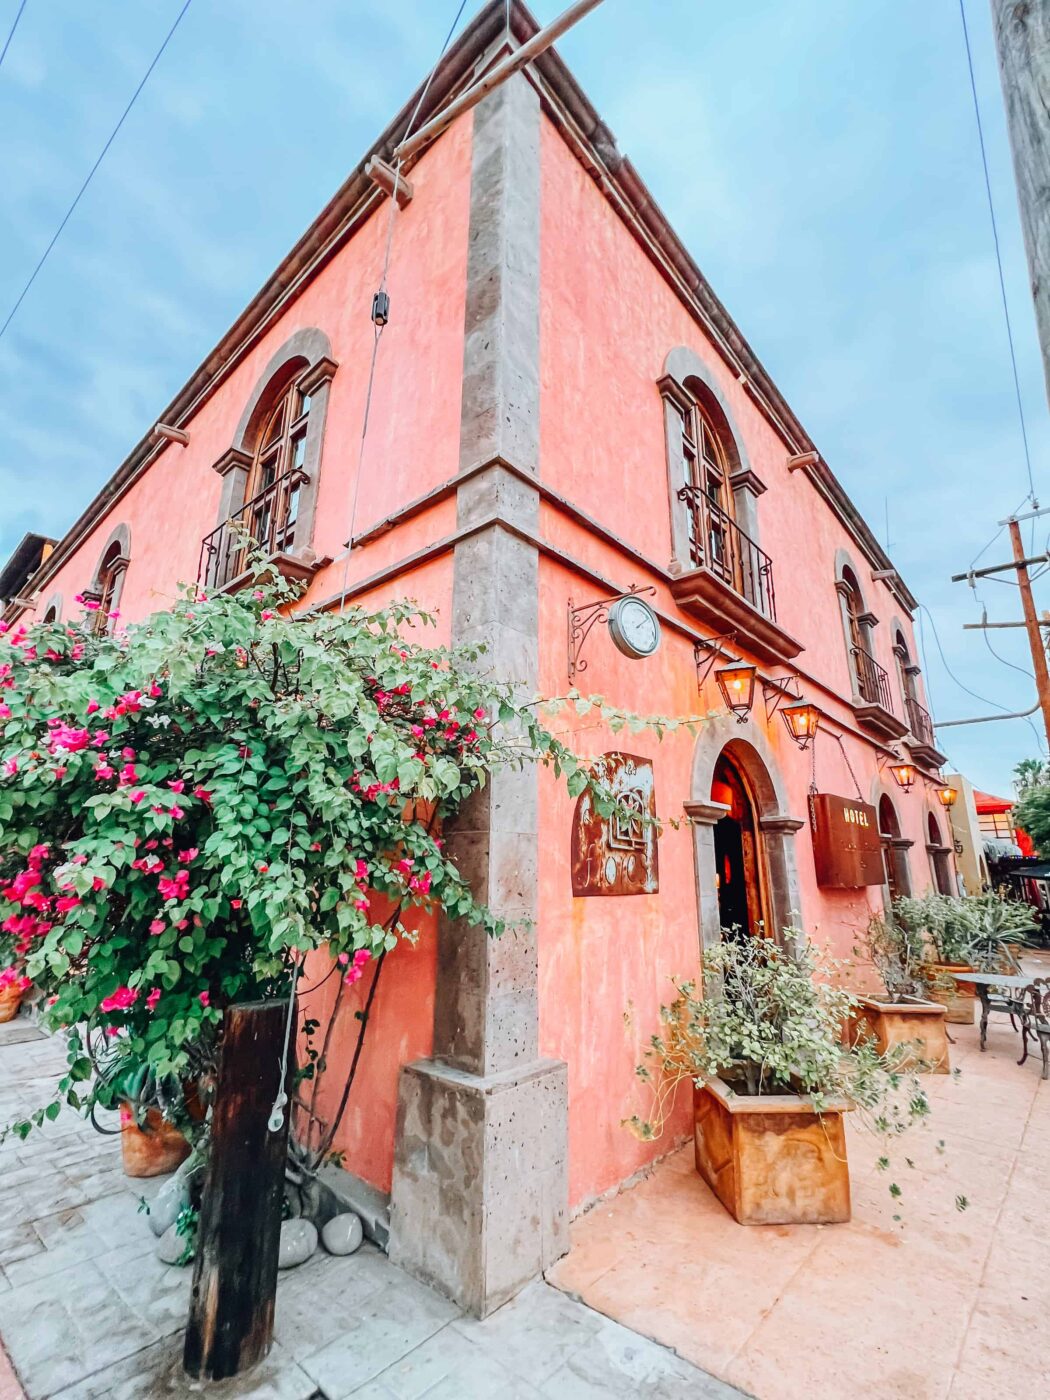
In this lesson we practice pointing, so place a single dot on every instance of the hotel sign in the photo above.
(847, 849)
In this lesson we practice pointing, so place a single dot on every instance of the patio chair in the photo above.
(1035, 1020)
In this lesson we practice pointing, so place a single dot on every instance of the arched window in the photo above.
(894, 851)
(276, 474)
(270, 472)
(711, 500)
(51, 615)
(109, 582)
(940, 862)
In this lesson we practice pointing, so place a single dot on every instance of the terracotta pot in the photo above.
(771, 1160)
(153, 1150)
(10, 1001)
(959, 999)
(920, 1023)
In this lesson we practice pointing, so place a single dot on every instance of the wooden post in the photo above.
(230, 1325)
(1035, 636)
(1022, 37)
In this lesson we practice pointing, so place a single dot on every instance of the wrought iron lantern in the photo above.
(904, 774)
(737, 684)
(947, 796)
(803, 721)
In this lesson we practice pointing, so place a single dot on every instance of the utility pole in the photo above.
(1035, 636)
(1022, 38)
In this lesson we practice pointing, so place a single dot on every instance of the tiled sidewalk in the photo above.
(941, 1305)
(87, 1311)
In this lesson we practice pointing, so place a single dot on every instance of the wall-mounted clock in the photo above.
(634, 627)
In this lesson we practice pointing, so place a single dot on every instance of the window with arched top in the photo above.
(270, 473)
(940, 858)
(706, 470)
(109, 582)
(894, 851)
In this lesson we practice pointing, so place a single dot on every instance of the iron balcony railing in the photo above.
(265, 524)
(919, 722)
(873, 680)
(716, 542)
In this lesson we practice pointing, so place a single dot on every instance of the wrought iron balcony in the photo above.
(873, 703)
(923, 741)
(730, 583)
(264, 524)
(717, 542)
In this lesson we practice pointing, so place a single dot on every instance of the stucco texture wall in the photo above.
(608, 322)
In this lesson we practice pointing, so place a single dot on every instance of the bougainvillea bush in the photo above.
(192, 804)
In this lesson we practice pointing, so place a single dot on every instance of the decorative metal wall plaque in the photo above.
(617, 855)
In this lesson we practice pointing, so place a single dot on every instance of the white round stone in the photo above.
(171, 1247)
(298, 1242)
(166, 1204)
(343, 1233)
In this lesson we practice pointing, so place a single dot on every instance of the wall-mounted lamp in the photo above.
(737, 684)
(803, 721)
(904, 774)
(947, 796)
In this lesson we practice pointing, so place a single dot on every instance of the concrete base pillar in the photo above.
(480, 1191)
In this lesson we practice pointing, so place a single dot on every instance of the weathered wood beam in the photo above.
(513, 63)
(164, 432)
(230, 1327)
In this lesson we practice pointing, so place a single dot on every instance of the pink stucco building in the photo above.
(563, 412)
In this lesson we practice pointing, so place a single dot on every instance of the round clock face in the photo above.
(634, 627)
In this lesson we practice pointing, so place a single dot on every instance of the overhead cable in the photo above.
(101, 156)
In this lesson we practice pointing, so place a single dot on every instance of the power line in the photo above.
(11, 33)
(998, 252)
(102, 154)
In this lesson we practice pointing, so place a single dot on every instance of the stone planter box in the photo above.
(920, 1023)
(959, 999)
(771, 1160)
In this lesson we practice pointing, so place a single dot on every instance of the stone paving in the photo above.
(941, 1305)
(87, 1311)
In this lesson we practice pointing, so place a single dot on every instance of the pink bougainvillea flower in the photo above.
(157, 926)
(236, 903)
(152, 999)
(136, 796)
(59, 773)
(343, 959)
(5, 711)
(66, 902)
(262, 867)
(186, 857)
(267, 614)
(177, 887)
(205, 998)
(202, 794)
(176, 813)
(90, 604)
(177, 785)
(155, 690)
(120, 1000)
(103, 771)
(128, 755)
(11, 767)
(406, 864)
(114, 615)
(258, 594)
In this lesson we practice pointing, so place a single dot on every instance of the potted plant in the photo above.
(12, 989)
(905, 1020)
(949, 938)
(160, 1115)
(761, 1043)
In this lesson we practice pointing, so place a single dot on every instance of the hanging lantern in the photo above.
(947, 796)
(737, 684)
(904, 773)
(802, 721)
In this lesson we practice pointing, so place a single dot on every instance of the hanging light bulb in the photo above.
(737, 684)
(802, 721)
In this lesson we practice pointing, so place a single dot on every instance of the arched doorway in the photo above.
(739, 854)
(894, 851)
(737, 780)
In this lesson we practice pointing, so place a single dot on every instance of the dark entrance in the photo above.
(738, 861)
(894, 850)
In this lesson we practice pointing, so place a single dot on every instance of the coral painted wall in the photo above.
(609, 320)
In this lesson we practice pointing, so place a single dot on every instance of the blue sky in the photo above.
(820, 161)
